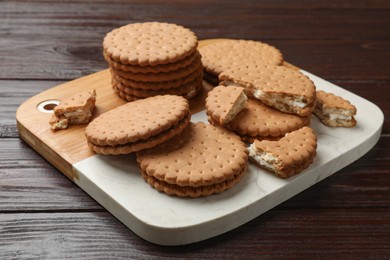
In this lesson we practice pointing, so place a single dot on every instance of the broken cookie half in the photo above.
(76, 110)
(334, 111)
(224, 103)
(289, 155)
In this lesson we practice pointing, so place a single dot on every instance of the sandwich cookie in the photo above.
(149, 44)
(160, 77)
(153, 69)
(138, 125)
(282, 88)
(288, 156)
(163, 85)
(131, 97)
(258, 121)
(334, 111)
(74, 110)
(221, 55)
(201, 161)
(141, 93)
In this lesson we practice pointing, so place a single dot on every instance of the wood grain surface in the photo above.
(44, 43)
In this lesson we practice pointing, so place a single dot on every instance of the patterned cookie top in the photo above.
(219, 56)
(293, 149)
(149, 44)
(331, 101)
(138, 120)
(224, 103)
(260, 120)
(272, 79)
(201, 155)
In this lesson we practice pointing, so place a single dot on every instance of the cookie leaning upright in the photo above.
(138, 125)
(152, 56)
(224, 103)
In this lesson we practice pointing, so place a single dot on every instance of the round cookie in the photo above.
(149, 44)
(141, 93)
(154, 69)
(201, 161)
(160, 77)
(219, 56)
(130, 97)
(262, 122)
(138, 125)
(157, 85)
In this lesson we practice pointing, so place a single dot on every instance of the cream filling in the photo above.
(264, 159)
(77, 116)
(76, 113)
(231, 84)
(294, 103)
(258, 93)
(339, 117)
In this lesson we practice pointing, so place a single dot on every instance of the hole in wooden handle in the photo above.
(47, 106)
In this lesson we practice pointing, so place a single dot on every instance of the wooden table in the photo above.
(42, 44)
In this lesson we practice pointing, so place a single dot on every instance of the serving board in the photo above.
(115, 181)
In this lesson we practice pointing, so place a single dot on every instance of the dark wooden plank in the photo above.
(63, 40)
(333, 19)
(28, 183)
(12, 94)
(376, 92)
(345, 216)
(60, 59)
(339, 60)
(352, 234)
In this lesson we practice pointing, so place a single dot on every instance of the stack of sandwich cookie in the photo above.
(201, 161)
(220, 56)
(148, 59)
(138, 125)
